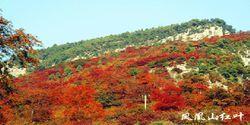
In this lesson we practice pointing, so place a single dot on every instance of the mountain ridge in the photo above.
(94, 47)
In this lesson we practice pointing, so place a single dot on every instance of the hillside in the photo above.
(192, 30)
(209, 75)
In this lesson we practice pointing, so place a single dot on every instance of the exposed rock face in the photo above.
(182, 67)
(17, 71)
(77, 58)
(246, 58)
(188, 36)
(218, 84)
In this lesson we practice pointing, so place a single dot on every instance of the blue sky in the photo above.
(61, 21)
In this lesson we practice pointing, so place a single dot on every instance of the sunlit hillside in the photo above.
(146, 85)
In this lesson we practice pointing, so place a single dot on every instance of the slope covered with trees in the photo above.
(94, 47)
(208, 76)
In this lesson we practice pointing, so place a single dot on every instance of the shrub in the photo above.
(133, 72)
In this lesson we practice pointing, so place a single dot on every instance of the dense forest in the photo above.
(94, 47)
(210, 76)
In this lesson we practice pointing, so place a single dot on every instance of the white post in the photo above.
(32, 113)
(145, 102)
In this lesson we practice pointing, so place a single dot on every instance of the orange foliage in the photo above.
(80, 104)
(168, 98)
(105, 83)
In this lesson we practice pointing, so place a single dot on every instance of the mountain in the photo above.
(191, 30)
(143, 85)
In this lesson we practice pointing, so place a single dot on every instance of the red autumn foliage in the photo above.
(168, 98)
(200, 87)
(105, 92)
(233, 37)
(236, 110)
(6, 113)
(80, 103)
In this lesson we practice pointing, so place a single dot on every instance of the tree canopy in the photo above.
(16, 49)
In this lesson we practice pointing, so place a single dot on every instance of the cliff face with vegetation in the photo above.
(192, 30)
(208, 75)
